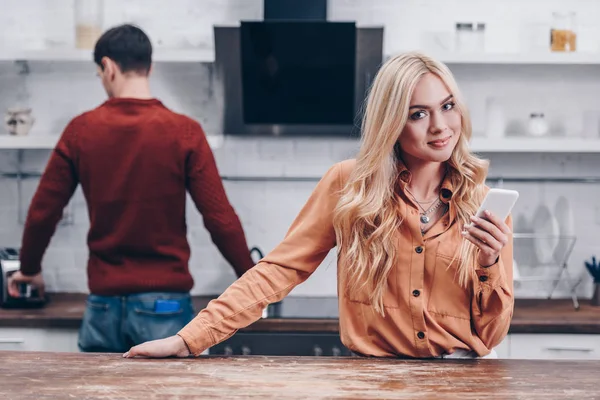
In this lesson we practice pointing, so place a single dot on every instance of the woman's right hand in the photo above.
(173, 346)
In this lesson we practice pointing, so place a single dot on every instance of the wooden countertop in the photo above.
(29, 375)
(531, 316)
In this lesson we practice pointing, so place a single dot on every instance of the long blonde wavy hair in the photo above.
(366, 218)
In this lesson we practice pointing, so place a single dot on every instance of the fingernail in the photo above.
(474, 219)
(126, 355)
(488, 213)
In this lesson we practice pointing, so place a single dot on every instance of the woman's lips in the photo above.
(440, 143)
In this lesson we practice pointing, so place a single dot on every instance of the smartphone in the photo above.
(166, 306)
(499, 202)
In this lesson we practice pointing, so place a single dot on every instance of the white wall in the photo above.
(59, 91)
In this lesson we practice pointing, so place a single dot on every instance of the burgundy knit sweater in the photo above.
(135, 159)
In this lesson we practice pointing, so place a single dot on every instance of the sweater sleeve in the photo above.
(206, 190)
(56, 187)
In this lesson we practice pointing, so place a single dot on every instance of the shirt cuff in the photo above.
(490, 277)
(196, 336)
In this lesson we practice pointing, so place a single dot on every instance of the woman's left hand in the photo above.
(489, 234)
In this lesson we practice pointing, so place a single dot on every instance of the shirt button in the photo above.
(419, 249)
(483, 278)
(416, 293)
(421, 335)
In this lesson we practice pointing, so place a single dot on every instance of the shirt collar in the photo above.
(446, 189)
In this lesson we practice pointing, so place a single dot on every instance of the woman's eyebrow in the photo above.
(427, 107)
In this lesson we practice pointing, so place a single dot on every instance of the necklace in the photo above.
(424, 218)
(424, 215)
(424, 228)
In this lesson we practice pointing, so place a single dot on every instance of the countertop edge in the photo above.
(530, 316)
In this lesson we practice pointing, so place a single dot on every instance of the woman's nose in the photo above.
(437, 123)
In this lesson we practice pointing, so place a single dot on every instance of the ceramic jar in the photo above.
(18, 121)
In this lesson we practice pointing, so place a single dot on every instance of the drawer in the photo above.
(38, 339)
(11, 343)
(554, 346)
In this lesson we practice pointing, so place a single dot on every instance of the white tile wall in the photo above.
(59, 91)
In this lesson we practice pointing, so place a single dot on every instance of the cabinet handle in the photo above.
(11, 341)
(581, 350)
(318, 352)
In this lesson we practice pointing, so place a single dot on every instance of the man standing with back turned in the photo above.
(135, 160)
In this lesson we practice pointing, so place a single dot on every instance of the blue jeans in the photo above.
(113, 324)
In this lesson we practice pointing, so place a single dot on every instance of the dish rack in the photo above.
(559, 261)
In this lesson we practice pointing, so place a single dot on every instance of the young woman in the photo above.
(418, 275)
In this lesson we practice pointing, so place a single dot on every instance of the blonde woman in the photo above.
(418, 275)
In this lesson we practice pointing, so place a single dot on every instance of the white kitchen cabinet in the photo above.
(39, 339)
(554, 346)
(503, 349)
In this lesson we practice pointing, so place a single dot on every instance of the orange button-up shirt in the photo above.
(427, 313)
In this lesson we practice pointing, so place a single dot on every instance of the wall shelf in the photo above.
(208, 56)
(535, 145)
(33, 142)
(478, 144)
(520, 58)
(73, 55)
(48, 142)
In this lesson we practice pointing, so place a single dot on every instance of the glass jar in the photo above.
(88, 22)
(538, 126)
(562, 33)
(470, 37)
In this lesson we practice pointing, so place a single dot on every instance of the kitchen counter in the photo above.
(531, 316)
(30, 375)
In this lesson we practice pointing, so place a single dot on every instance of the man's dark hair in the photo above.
(128, 46)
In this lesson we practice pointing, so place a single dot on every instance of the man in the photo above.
(135, 159)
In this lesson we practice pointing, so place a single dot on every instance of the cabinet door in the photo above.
(555, 346)
(38, 339)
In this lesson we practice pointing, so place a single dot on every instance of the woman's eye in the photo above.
(448, 106)
(418, 115)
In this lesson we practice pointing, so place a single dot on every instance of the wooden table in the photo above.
(25, 375)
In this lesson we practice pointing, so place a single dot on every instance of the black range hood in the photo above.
(295, 73)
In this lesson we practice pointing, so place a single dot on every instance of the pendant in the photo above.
(424, 219)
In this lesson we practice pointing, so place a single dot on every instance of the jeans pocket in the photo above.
(100, 327)
(147, 321)
(97, 306)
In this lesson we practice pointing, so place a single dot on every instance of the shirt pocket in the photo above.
(447, 297)
(390, 297)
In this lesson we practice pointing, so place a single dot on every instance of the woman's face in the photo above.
(433, 125)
